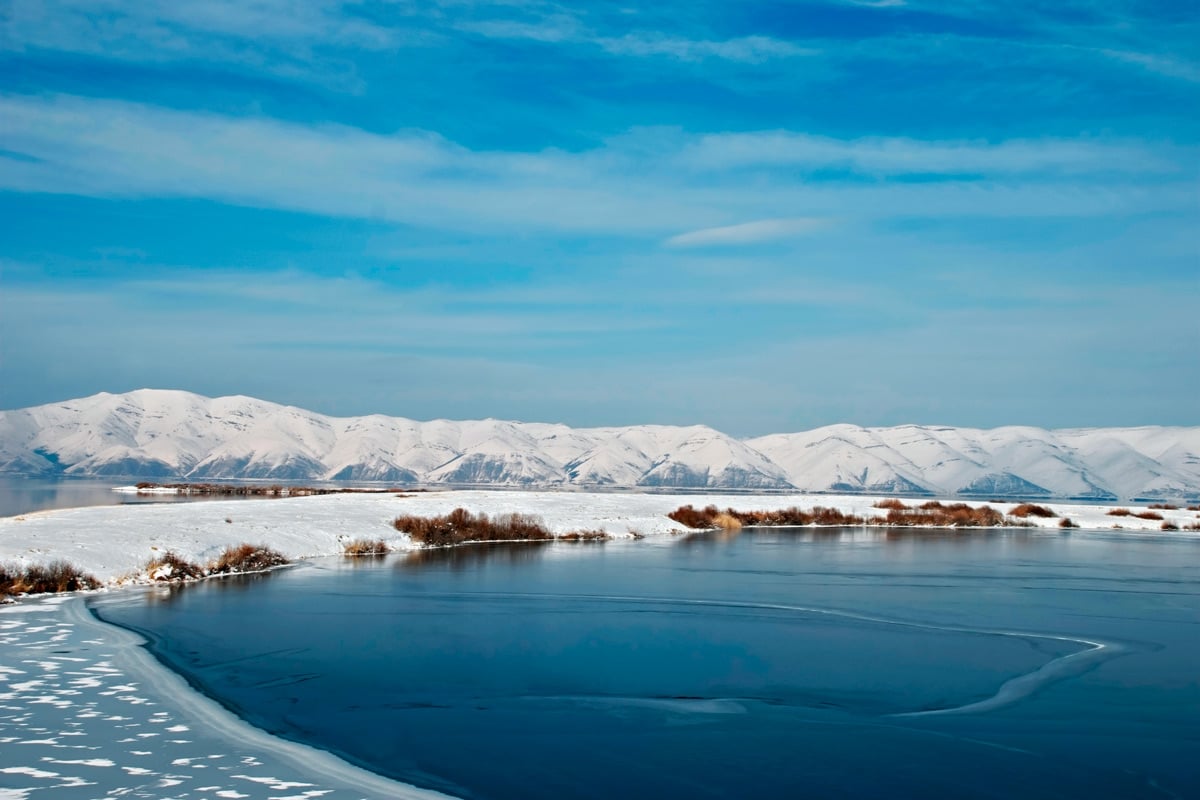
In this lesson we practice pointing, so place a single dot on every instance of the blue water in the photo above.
(24, 495)
(842, 663)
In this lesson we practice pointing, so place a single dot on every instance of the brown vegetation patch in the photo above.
(461, 526)
(1120, 512)
(727, 521)
(246, 558)
(712, 517)
(892, 504)
(1031, 510)
(57, 576)
(366, 547)
(1067, 523)
(170, 567)
(1163, 506)
(956, 515)
(1170, 526)
(1154, 515)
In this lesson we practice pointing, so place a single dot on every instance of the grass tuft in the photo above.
(1030, 510)
(891, 504)
(246, 558)
(57, 576)
(1067, 523)
(366, 547)
(170, 567)
(460, 526)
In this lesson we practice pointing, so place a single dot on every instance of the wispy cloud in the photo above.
(649, 184)
(759, 231)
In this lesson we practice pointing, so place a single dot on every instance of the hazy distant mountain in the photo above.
(177, 435)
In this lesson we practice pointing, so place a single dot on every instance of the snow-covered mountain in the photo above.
(160, 434)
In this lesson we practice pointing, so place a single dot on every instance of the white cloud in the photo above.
(647, 185)
(747, 49)
(763, 230)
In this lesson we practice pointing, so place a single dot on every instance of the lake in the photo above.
(25, 495)
(786, 662)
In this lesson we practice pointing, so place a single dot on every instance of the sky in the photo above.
(759, 216)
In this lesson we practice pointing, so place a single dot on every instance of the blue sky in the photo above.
(758, 216)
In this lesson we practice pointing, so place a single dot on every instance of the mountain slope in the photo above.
(161, 434)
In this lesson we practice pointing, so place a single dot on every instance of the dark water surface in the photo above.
(21, 495)
(770, 663)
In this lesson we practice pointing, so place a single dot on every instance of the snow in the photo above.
(114, 543)
(178, 435)
(99, 717)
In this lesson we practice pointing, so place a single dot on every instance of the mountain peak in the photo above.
(170, 433)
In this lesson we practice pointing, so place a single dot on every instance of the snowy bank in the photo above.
(115, 542)
(86, 712)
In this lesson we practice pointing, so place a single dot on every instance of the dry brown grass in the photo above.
(1170, 526)
(1030, 510)
(1163, 506)
(366, 547)
(711, 517)
(1151, 515)
(169, 568)
(461, 526)
(1120, 512)
(956, 515)
(727, 521)
(57, 576)
(246, 558)
(891, 504)
(1067, 523)
(691, 517)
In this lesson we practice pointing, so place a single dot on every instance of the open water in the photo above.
(838, 663)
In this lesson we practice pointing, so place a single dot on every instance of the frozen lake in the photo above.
(769, 663)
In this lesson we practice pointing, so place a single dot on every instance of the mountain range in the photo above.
(174, 435)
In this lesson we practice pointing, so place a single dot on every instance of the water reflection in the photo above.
(469, 556)
(167, 593)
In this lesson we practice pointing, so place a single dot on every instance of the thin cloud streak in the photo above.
(763, 230)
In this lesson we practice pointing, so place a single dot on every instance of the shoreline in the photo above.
(69, 675)
(114, 543)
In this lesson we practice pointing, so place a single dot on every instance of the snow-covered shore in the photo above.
(114, 543)
(86, 712)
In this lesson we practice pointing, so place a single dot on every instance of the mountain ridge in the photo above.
(172, 434)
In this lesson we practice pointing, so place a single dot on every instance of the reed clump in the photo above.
(1030, 510)
(366, 547)
(460, 526)
(246, 558)
(711, 517)
(170, 567)
(937, 515)
(57, 576)
(891, 503)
